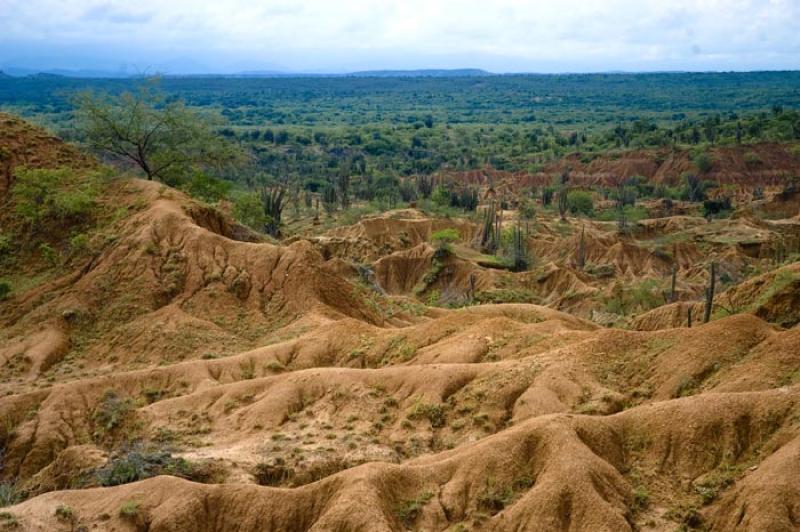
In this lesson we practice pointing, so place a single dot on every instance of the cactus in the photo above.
(343, 186)
(779, 251)
(489, 233)
(519, 250)
(329, 198)
(710, 292)
(563, 203)
(424, 186)
(273, 201)
(672, 295)
(622, 218)
(580, 255)
(471, 289)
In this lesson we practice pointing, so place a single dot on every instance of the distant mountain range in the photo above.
(10, 71)
(424, 73)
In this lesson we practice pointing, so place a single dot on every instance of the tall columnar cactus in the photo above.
(329, 198)
(672, 294)
(471, 288)
(489, 234)
(622, 217)
(563, 202)
(343, 189)
(519, 250)
(779, 251)
(424, 186)
(272, 201)
(710, 292)
(580, 253)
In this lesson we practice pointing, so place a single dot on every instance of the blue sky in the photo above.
(195, 36)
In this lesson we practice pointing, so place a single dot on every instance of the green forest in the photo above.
(325, 139)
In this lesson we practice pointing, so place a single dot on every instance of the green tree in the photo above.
(580, 202)
(248, 210)
(166, 140)
(443, 240)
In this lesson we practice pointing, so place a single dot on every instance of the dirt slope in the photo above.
(22, 144)
(746, 166)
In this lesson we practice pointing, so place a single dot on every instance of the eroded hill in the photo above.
(183, 373)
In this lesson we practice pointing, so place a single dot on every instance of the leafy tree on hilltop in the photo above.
(165, 139)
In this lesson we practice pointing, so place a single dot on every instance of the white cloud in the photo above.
(505, 34)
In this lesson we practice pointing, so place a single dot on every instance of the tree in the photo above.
(249, 210)
(580, 202)
(166, 140)
(443, 240)
(693, 188)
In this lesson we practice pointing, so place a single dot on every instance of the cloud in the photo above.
(502, 34)
(115, 15)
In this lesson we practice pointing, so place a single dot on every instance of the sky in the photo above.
(335, 36)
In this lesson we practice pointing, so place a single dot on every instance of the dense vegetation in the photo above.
(404, 126)
(321, 143)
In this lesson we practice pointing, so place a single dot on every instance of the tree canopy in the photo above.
(164, 139)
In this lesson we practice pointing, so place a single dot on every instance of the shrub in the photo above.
(751, 158)
(62, 196)
(65, 513)
(139, 463)
(494, 498)
(409, 510)
(8, 521)
(580, 202)
(717, 207)
(111, 413)
(272, 474)
(247, 210)
(79, 243)
(49, 254)
(129, 510)
(432, 412)
(547, 195)
(703, 162)
(10, 494)
(642, 296)
(641, 498)
(632, 214)
(5, 290)
(207, 188)
(444, 239)
(527, 209)
(5, 245)
(441, 196)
